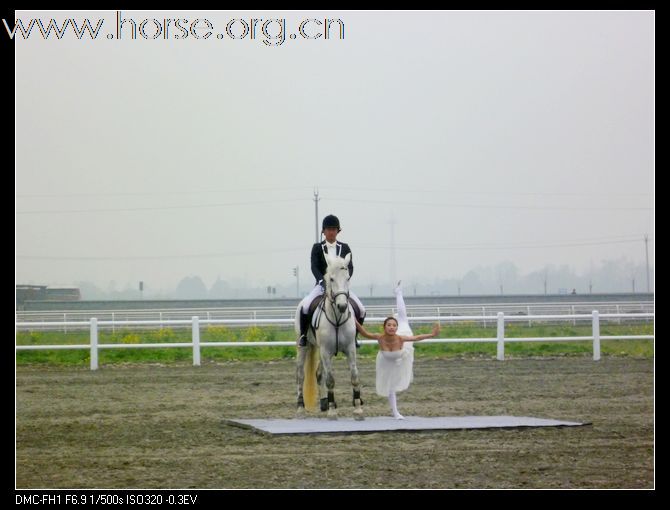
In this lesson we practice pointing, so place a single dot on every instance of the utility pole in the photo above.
(646, 254)
(296, 273)
(316, 214)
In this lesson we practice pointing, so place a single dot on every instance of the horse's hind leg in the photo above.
(300, 378)
(319, 374)
(356, 384)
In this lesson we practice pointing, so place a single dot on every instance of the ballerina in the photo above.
(396, 353)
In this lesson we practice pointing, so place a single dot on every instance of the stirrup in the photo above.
(302, 341)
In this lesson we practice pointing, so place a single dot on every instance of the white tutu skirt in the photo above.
(394, 370)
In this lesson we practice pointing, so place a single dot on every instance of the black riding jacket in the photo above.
(319, 264)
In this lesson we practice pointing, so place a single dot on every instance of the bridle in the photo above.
(340, 318)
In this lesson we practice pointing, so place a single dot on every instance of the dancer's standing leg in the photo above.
(394, 407)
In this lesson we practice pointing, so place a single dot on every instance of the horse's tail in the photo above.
(310, 389)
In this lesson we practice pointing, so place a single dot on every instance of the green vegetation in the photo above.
(633, 348)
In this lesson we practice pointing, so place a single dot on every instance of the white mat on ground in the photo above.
(384, 424)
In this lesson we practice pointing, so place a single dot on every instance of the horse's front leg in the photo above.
(355, 382)
(328, 385)
(300, 379)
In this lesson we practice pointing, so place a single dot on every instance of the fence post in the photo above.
(484, 315)
(530, 322)
(64, 325)
(94, 343)
(596, 335)
(501, 336)
(196, 341)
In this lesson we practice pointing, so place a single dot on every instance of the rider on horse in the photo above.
(332, 247)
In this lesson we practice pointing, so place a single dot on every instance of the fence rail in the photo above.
(72, 320)
(195, 322)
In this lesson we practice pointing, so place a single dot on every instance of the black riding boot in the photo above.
(304, 326)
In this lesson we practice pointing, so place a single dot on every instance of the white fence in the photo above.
(93, 324)
(68, 320)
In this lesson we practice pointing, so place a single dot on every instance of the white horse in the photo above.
(335, 332)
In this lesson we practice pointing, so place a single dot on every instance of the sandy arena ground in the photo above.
(160, 426)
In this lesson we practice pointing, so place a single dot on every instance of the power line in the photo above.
(366, 201)
(491, 206)
(162, 208)
(438, 189)
(451, 191)
(502, 246)
(263, 252)
(156, 193)
(156, 257)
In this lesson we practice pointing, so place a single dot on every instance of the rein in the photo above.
(338, 317)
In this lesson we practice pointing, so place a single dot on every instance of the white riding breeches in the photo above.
(306, 301)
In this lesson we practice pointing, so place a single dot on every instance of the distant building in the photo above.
(30, 293)
(45, 293)
(63, 294)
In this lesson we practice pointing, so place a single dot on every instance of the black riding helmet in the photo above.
(331, 221)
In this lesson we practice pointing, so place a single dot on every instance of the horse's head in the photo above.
(337, 281)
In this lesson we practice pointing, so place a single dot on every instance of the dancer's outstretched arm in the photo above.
(418, 338)
(366, 333)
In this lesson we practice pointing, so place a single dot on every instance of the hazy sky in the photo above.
(476, 138)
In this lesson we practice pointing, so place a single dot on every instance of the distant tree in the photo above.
(471, 283)
(220, 289)
(191, 287)
(89, 291)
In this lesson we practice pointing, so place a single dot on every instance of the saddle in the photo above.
(316, 302)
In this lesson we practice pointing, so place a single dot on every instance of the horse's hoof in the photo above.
(332, 414)
(300, 413)
(358, 414)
